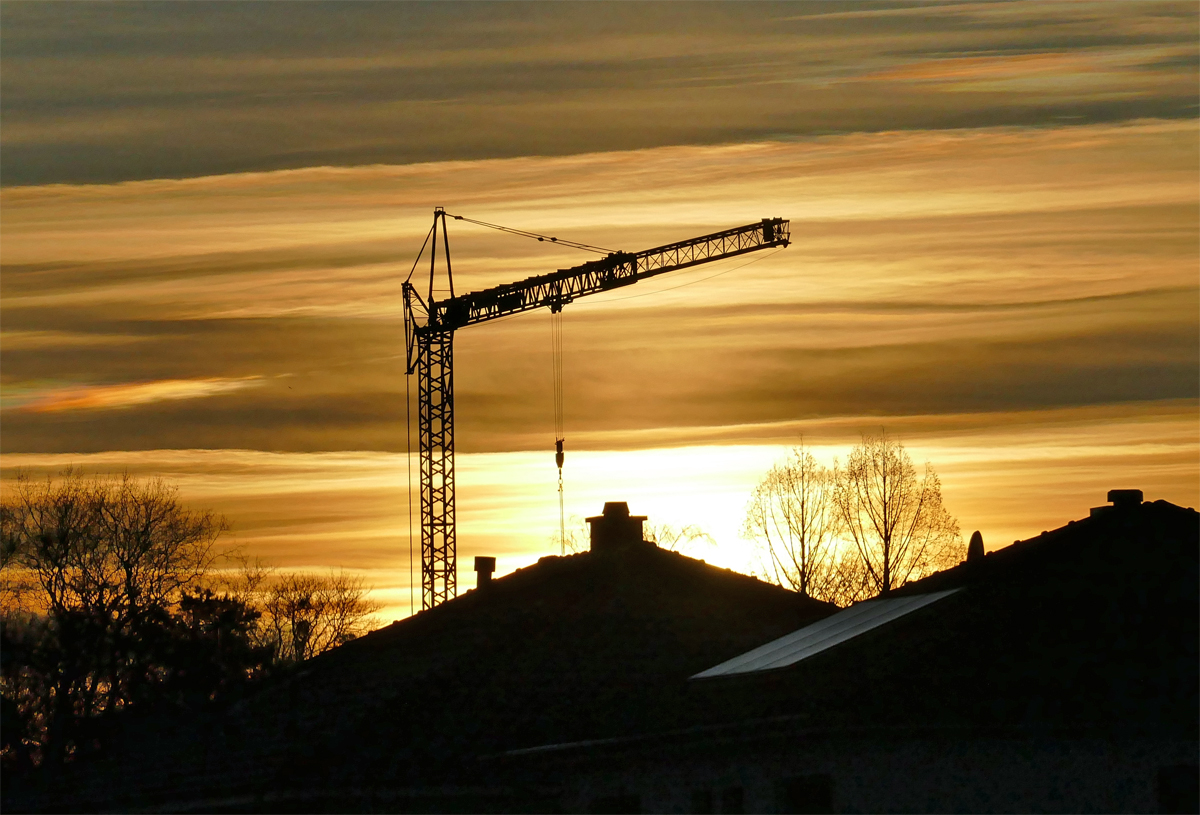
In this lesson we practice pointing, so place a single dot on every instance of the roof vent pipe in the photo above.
(484, 566)
(975, 547)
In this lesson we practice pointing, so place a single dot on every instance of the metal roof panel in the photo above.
(824, 634)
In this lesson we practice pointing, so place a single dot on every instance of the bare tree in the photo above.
(306, 614)
(848, 580)
(244, 580)
(93, 569)
(896, 519)
(793, 519)
(677, 538)
(577, 538)
(110, 601)
(109, 546)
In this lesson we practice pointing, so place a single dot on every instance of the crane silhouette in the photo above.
(429, 327)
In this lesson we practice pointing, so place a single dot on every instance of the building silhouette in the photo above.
(1056, 674)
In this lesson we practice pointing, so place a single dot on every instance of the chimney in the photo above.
(615, 528)
(1120, 499)
(975, 547)
(1125, 498)
(484, 566)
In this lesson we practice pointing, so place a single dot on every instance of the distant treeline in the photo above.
(112, 606)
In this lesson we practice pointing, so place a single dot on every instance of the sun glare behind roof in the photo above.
(815, 638)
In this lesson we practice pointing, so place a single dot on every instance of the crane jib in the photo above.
(556, 289)
(429, 329)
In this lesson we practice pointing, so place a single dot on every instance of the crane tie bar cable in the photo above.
(419, 254)
(560, 241)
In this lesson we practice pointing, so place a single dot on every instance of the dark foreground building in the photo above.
(1058, 674)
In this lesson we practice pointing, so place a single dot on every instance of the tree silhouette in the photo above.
(896, 519)
(306, 614)
(93, 571)
(794, 520)
(110, 604)
(677, 538)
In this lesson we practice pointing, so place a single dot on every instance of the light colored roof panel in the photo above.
(826, 633)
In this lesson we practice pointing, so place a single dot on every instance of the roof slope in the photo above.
(824, 634)
(1093, 626)
(587, 646)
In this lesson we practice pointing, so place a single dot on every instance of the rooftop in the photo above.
(1089, 628)
(591, 645)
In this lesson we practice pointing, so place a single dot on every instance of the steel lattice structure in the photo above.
(435, 395)
(429, 332)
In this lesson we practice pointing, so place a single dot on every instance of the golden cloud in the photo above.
(130, 394)
(930, 272)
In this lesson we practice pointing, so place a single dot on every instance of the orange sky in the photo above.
(1016, 299)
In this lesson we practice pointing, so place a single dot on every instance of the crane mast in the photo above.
(429, 337)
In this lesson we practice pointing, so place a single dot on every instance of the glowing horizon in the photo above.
(995, 243)
(349, 509)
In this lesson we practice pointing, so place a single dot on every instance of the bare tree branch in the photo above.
(306, 614)
(793, 520)
(896, 520)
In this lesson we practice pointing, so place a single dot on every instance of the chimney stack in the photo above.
(1125, 498)
(1120, 499)
(484, 566)
(616, 528)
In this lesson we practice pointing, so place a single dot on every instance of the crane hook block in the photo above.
(558, 452)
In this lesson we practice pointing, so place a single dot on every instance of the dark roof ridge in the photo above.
(526, 586)
(1012, 554)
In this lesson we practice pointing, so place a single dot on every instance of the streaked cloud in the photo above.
(1101, 73)
(931, 272)
(115, 92)
(123, 395)
(25, 340)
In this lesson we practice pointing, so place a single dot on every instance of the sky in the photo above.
(207, 212)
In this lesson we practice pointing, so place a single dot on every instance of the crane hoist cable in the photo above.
(556, 353)
(556, 348)
(408, 458)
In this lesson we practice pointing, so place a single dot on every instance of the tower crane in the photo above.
(429, 326)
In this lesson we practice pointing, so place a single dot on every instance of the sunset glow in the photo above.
(1011, 290)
